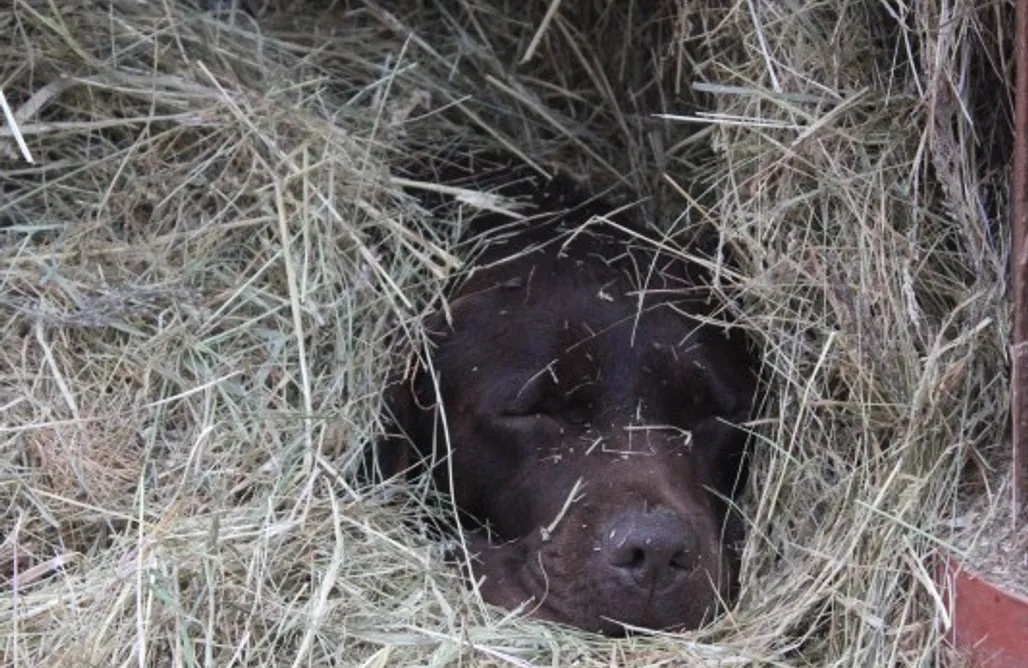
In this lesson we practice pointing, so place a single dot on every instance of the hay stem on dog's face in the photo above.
(571, 498)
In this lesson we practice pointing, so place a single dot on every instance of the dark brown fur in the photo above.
(583, 364)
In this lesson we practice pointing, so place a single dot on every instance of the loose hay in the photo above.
(208, 270)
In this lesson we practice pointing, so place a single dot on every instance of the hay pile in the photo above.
(209, 267)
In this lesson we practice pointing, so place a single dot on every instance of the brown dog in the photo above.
(587, 413)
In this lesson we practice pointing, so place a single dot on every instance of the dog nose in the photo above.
(650, 548)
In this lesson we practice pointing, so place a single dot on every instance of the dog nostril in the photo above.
(683, 561)
(651, 547)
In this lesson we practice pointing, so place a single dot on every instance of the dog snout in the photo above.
(650, 549)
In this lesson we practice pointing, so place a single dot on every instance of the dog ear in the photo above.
(732, 387)
(408, 416)
(394, 452)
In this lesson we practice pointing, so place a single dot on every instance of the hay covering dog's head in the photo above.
(588, 418)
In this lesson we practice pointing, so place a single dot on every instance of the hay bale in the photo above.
(209, 266)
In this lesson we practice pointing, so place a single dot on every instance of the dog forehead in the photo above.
(588, 295)
(505, 328)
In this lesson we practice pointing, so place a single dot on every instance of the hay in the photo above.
(208, 269)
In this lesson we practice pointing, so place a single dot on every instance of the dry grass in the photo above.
(207, 270)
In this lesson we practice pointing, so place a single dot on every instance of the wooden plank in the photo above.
(1019, 269)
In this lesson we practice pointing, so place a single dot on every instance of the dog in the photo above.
(582, 405)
